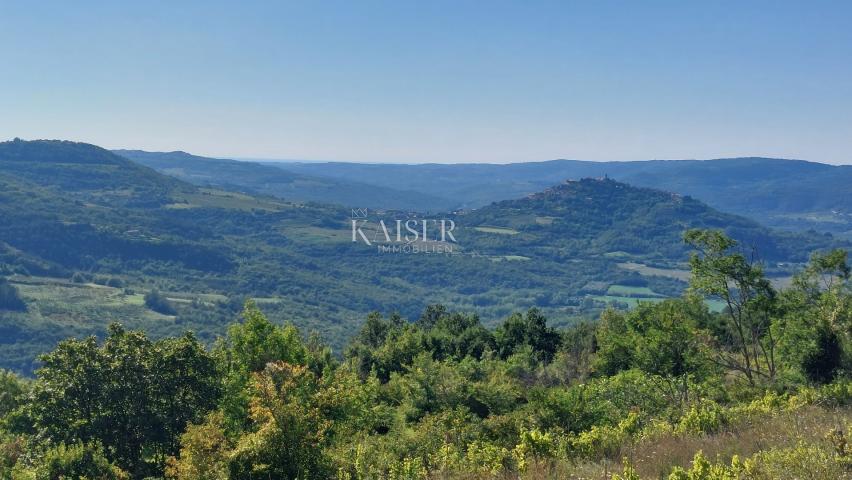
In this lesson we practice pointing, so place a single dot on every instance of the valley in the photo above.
(571, 250)
(426, 241)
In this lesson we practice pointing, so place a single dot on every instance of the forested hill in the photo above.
(90, 173)
(71, 206)
(605, 217)
(89, 237)
(792, 194)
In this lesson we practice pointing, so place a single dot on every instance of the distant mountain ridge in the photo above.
(266, 179)
(788, 194)
(791, 194)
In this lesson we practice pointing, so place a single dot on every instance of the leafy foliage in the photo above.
(440, 396)
(12, 392)
(74, 461)
(132, 395)
(748, 297)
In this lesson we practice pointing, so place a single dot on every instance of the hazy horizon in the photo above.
(296, 160)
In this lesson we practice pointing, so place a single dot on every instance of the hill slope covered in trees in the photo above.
(790, 194)
(89, 237)
(668, 390)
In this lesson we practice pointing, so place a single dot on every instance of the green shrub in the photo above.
(702, 418)
(702, 469)
(802, 461)
(628, 473)
(604, 441)
(78, 461)
(534, 444)
(480, 458)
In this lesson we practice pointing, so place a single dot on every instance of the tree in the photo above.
(817, 309)
(659, 339)
(668, 346)
(431, 315)
(158, 303)
(12, 391)
(573, 361)
(454, 335)
(375, 330)
(130, 394)
(615, 344)
(248, 348)
(9, 297)
(749, 344)
(185, 386)
(204, 452)
(825, 286)
(384, 346)
(257, 341)
(79, 460)
(290, 429)
(530, 329)
(821, 362)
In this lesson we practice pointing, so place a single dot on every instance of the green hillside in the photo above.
(603, 217)
(88, 234)
(789, 194)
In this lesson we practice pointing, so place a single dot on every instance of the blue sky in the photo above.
(434, 81)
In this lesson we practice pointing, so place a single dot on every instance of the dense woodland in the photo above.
(760, 390)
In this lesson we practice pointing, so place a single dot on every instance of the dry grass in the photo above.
(655, 457)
